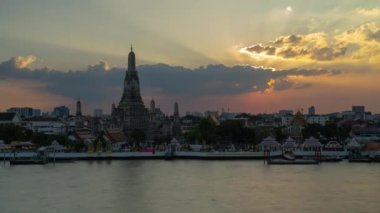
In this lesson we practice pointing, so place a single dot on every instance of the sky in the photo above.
(244, 55)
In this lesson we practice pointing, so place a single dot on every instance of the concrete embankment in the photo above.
(165, 155)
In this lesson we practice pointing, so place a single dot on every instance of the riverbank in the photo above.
(175, 155)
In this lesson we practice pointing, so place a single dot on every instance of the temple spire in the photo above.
(131, 60)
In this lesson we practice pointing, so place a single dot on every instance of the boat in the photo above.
(376, 158)
(289, 157)
(36, 158)
(331, 158)
(292, 162)
(360, 160)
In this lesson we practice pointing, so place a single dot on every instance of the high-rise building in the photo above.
(25, 112)
(131, 113)
(98, 113)
(61, 111)
(312, 110)
(358, 109)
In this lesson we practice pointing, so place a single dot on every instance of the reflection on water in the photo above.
(189, 186)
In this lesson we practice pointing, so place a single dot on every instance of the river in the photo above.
(189, 186)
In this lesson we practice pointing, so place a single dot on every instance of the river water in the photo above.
(189, 186)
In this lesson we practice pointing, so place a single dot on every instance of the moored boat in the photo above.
(331, 158)
(292, 162)
(359, 160)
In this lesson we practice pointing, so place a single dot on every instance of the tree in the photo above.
(231, 131)
(343, 132)
(206, 131)
(280, 134)
(10, 133)
(330, 130)
(312, 130)
(137, 137)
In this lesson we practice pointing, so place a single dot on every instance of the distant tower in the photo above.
(176, 122)
(154, 132)
(79, 109)
(312, 110)
(176, 111)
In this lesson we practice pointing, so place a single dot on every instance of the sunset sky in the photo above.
(247, 55)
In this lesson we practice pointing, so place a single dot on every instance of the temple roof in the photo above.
(115, 135)
(298, 119)
(289, 143)
(353, 144)
(333, 144)
(312, 142)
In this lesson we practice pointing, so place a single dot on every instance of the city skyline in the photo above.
(249, 56)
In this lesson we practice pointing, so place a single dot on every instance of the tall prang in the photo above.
(131, 113)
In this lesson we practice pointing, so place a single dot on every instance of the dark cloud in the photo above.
(327, 53)
(99, 83)
(258, 48)
(291, 39)
(373, 34)
(292, 52)
(283, 84)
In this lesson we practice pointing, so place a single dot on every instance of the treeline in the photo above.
(205, 132)
(233, 132)
(9, 133)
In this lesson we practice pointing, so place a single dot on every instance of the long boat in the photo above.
(331, 158)
(292, 162)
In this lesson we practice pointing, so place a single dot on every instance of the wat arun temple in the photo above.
(131, 114)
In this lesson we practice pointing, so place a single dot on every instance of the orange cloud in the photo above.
(361, 43)
(369, 12)
(20, 62)
(314, 46)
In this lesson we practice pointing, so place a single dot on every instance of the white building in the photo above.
(286, 119)
(365, 134)
(318, 119)
(98, 113)
(46, 126)
(195, 114)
